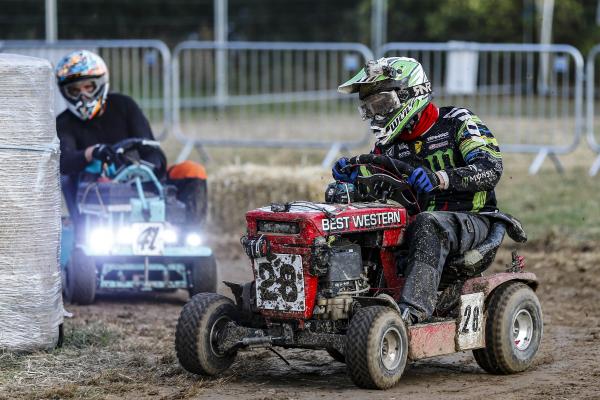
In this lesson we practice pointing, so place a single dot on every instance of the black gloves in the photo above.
(103, 152)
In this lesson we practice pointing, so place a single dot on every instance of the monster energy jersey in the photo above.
(462, 146)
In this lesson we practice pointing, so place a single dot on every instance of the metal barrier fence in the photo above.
(258, 94)
(261, 94)
(138, 68)
(531, 96)
(592, 123)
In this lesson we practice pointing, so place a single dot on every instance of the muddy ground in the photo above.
(122, 348)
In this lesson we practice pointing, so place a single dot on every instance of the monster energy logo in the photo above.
(440, 156)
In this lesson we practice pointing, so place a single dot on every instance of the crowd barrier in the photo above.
(592, 93)
(259, 94)
(284, 94)
(139, 68)
(529, 95)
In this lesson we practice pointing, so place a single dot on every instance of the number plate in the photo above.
(148, 239)
(470, 322)
(280, 283)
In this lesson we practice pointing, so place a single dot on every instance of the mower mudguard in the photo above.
(487, 284)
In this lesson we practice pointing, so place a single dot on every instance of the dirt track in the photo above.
(567, 367)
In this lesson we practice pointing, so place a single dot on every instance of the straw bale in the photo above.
(234, 190)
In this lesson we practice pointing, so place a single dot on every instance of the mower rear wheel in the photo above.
(201, 322)
(80, 279)
(204, 276)
(513, 331)
(376, 348)
(336, 355)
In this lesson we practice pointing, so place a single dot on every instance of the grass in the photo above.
(553, 205)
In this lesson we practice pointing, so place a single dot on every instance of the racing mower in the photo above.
(329, 275)
(128, 231)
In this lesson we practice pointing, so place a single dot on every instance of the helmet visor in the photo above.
(86, 88)
(381, 104)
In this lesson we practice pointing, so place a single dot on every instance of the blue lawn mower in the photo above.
(129, 232)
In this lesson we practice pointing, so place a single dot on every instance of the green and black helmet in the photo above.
(392, 91)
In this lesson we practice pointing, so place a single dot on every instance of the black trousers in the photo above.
(432, 237)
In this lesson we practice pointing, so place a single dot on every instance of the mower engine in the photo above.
(312, 260)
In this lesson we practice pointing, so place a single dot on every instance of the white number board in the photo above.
(470, 321)
(148, 239)
(280, 283)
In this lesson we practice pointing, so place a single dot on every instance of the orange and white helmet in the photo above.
(71, 71)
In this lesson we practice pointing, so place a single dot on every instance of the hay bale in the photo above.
(234, 190)
(30, 284)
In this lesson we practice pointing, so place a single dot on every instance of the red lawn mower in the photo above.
(328, 276)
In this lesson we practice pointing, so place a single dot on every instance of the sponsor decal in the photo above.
(401, 115)
(418, 146)
(438, 145)
(420, 90)
(482, 175)
(435, 138)
(362, 221)
(438, 159)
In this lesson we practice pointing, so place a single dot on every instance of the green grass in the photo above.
(567, 205)
(88, 335)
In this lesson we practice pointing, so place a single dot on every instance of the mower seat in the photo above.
(473, 262)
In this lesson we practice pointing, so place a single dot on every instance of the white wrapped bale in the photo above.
(30, 286)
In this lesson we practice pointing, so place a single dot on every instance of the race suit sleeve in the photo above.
(72, 161)
(138, 124)
(481, 153)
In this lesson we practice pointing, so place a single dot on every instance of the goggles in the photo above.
(86, 88)
(381, 104)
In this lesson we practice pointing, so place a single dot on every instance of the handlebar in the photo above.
(133, 143)
(400, 167)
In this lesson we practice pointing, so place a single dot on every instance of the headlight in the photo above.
(170, 236)
(193, 239)
(101, 240)
(125, 235)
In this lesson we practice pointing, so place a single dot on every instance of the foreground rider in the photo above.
(456, 161)
(96, 119)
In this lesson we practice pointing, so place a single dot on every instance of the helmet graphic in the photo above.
(82, 78)
(392, 91)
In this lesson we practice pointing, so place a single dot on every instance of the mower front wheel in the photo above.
(80, 278)
(513, 330)
(202, 322)
(204, 276)
(376, 347)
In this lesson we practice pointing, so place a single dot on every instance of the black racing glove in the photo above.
(103, 152)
